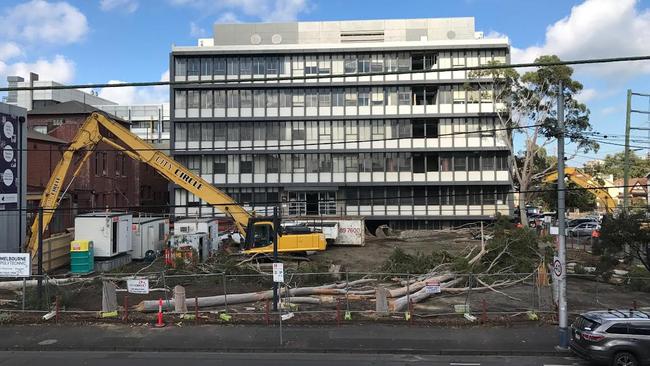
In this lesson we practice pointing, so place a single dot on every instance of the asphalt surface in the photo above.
(66, 358)
(523, 340)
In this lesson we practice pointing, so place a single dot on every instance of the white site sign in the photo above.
(278, 272)
(15, 265)
(432, 287)
(138, 286)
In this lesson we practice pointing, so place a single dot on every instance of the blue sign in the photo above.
(8, 161)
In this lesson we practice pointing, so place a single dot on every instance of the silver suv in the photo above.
(617, 337)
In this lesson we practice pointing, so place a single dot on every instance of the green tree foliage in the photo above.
(614, 165)
(531, 99)
(576, 197)
(626, 236)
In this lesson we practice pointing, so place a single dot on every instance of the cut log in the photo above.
(17, 285)
(417, 286)
(400, 304)
(211, 301)
(109, 297)
(180, 304)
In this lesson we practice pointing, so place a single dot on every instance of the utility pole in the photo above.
(276, 227)
(562, 303)
(626, 163)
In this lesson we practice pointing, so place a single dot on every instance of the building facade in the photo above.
(43, 154)
(43, 98)
(149, 121)
(284, 114)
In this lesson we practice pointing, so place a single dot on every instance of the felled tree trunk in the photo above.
(416, 286)
(210, 301)
(400, 304)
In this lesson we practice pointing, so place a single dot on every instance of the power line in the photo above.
(174, 149)
(306, 77)
(275, 203)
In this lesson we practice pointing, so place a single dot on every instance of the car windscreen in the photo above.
(583, 323)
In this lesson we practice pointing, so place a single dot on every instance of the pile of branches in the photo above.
(494, 264)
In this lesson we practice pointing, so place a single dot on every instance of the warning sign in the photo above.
(432, 287)
(557, 267)
(140, 286)
(278, 272)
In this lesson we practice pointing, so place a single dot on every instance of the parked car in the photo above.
(576, 222)
(615, 337)
(584, 229)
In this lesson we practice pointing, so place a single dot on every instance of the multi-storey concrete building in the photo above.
(287, 115)
(42, 98)
(149, 121)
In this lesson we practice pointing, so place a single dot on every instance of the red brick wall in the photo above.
(42, 158)
(106, 186)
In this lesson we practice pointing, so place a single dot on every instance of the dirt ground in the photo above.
(369, 258)
(584, 294)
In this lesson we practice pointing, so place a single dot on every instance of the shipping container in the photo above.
(110, 232)
(344, 230)
(148, 234)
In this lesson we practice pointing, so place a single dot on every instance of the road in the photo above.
(67, 358)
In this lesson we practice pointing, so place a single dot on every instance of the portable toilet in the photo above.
(82, 259)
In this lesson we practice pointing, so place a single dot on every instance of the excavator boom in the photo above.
(586, 181)
(97, 128)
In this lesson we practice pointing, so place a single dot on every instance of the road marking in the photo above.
(47, 342)
(463, 364)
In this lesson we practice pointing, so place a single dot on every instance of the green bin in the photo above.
(82, 258)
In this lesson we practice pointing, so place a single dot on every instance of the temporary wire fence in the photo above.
(315, 297)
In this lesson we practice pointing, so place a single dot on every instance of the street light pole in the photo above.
(561, 276)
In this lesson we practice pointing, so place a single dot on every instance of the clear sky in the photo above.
(85, 41)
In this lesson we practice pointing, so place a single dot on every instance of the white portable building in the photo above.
(196, 241)
(109, 231)
(148, 233)
(206, 225)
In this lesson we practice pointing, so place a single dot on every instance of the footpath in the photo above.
(388, 339)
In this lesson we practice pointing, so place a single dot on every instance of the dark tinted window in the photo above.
(640, 329)
(619, 328)
(583, 323)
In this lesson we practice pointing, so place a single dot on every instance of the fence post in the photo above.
(347, 289)
(24, 290)
(56, 309)
(40, 258)
(338, 312)
(225, 293)
(469, 293)
(408, 291)
(484, 313)
(126, 307)
(410, 312)
(196, 309)
(162, 275)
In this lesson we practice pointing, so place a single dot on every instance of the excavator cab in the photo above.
(260, 233)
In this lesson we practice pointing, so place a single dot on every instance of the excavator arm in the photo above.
(99, 128)
(587, 182)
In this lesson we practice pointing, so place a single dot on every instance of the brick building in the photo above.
(43, 153)
(109, 178)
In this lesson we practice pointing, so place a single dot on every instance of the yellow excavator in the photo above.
(589, 183)
(258, 232)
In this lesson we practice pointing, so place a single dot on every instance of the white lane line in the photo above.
(463, 364)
